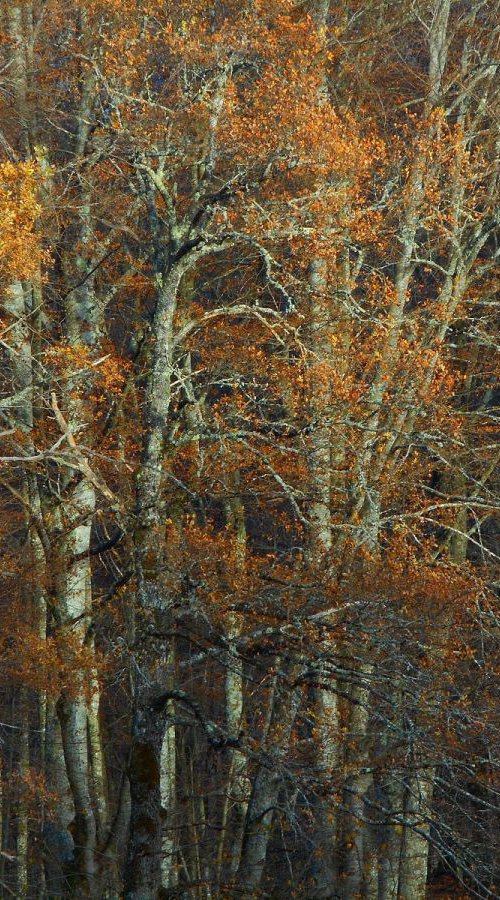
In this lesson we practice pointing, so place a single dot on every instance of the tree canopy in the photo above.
(249, 267)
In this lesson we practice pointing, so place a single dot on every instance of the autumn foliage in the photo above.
(249, 449)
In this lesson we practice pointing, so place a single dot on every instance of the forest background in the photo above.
(249, 449)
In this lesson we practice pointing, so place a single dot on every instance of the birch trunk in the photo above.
(78, 706)
(236, 803)
(72, 568)
(97, 760)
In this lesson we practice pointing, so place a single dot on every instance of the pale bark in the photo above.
(324, 864)
(97, 760)
(22, 833)
(144, 848)
(325, 457)
(392, 841)
(414, 846)
(71, 530)
(58, 841)
(393, 792)
(143, 873)
(168, 782)
(359, 857)
(266, 788)
(73, 612)
(78, 705)
(72, 585)
(73, 720)
(367, 502)
(236, 803)
(360, 862)
(415, 853)
(19, 76)
(237, 796)
(438, 48)
(144, 860)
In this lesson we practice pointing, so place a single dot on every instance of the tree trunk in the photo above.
(58, 842)
(168, 783)
(143, 875)
(237, 795)
(415, 853)
(359, 857)
(267, 785)
(22, 835)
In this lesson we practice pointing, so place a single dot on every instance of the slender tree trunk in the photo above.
(236, 802)
(22, 831)
(97, 761)
(143, 876)
(266, 788)
(168, 784)
(72, 580)
(237, 795)
(393, 793)
(359, 857)
(144, 865)
(415, 852)
(59, 846)
(323, 868)
(18, 304)
(391, 845)
(19, 76)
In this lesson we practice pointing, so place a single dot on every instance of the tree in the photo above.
(248, 267)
